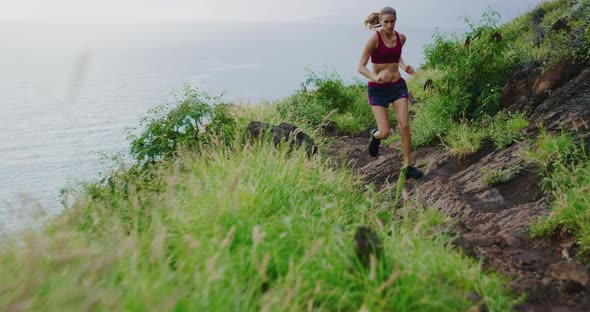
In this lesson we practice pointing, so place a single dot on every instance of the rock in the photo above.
(564, 107)
(559, 25)
(533, 82)
(492, 196)
(519, 86)
(525, 284)
(469, 242)
(574, 275)
(282, 133)
(329, 128)
(557, 75)
(474, 297)
(366, 242)
(507, 240)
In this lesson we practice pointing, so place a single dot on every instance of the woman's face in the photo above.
(388, 23)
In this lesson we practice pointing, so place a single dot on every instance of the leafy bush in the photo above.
(474, 68)
(463, 74)
(460, 80)
(327, 98)
(167, 127)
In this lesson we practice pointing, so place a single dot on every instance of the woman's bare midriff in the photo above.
(387, 72)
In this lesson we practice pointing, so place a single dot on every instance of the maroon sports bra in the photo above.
(385, 55)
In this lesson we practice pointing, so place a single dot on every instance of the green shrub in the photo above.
(463, 75)
(475, 66)
(168, 127)
(327, 98)
(461, 80)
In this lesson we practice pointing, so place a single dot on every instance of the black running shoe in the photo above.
(412, 173)
(374, 144)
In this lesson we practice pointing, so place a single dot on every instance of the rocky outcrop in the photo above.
(283, 133)
(534, 83)
(519, 86)
(566, 107)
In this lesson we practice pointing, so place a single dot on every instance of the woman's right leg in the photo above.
(382, 117)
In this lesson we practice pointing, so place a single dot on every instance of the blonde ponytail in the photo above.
(372, 21)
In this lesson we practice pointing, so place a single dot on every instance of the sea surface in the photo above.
(69, 93)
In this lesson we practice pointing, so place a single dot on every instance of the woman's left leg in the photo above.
(400, 107)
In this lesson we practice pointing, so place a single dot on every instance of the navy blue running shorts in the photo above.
(383, 94)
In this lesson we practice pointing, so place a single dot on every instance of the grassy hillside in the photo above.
(223, 227)
(203, 220)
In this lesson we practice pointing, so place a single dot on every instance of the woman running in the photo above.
(386, 86)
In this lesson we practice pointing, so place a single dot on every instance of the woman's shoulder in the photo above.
(402, 37)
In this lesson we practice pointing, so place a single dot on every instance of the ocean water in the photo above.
(68, 92)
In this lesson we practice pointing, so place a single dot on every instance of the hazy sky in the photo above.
(427, 11)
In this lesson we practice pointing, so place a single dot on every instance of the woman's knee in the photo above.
(403, 126)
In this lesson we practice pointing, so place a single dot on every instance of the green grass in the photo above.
(570, 210)
(464, 74)
(505, 129)
(242, 228)
(566, 171)
(552, 149)
(429, 124)
(498, 176)
(463, 139)
(533, 41)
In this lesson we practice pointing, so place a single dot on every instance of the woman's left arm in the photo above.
(407, 68)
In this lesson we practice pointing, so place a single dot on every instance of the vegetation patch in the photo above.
(238, 228)
(566, 171)
(463, 139)
(498, 176)
(463, 75)
(326, 98)
(505, 129)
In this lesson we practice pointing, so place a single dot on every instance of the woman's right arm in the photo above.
(370, 46)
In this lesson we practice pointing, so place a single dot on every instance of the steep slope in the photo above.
(492, 221)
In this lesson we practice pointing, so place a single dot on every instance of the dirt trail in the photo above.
(493, 220)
